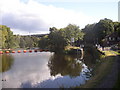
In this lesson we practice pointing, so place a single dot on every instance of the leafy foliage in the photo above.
(8, 40)
(95, 33)
(44, 42)
(6, 37)
(58, 39)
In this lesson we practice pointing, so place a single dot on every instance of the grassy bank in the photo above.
(101, 69)
(117, 84)
(71, 50)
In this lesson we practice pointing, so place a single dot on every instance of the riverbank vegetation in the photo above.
(58, 39)
(93, 34)
(117, 84)
(10, 41)
(100, 70)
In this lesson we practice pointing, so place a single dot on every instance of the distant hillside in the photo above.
(37, 35)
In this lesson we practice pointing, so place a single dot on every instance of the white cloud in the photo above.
(35, 17)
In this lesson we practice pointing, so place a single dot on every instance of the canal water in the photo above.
(43, 70)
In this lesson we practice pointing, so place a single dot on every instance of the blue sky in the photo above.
(102, 8)
(36, 16)
(97, 9)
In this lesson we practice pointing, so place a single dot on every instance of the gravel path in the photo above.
(112, 77)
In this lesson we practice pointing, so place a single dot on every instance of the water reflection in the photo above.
(87, 59)
(64, 65)
(66, 71)
(27, 67)
(7, 61)
(91, 55)
(44, 70)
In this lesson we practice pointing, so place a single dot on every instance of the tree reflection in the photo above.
(64, 65)
(91, 56)
(7, 61)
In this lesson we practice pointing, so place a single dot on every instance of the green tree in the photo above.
(72, 31)
(57, 42)
(117, 27)
(3, 30)
(89, 36)
(58, 39)
(29, 42)
(35, 41)
(7, 37)
(16, 41)
(95, 33)
(22, 43)
(103, 28)
(44, 42)
(1, 38)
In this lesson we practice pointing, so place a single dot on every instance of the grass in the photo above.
(71, 50)
(101, 69)
(117, 84)
(109, 53)
(116, 52)
(71, 47)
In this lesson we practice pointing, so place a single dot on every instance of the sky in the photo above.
(119, 11)
(37, 16)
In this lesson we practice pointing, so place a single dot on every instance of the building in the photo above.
(112, 39)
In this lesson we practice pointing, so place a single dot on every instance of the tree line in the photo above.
(10, 41)
(58, 39)
(96, 33)
(92, 34)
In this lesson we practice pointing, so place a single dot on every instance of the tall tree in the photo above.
(89, 36)
(7, 37)
(103, 28)
(44, 42)
(72, 31)
(57, 42)
(117, 27)
(94, 33)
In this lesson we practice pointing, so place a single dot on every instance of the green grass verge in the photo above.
(100, 71)
(117, 84)
(71, 50)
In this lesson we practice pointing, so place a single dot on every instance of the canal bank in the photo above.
(102, 70)
(110, 80)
